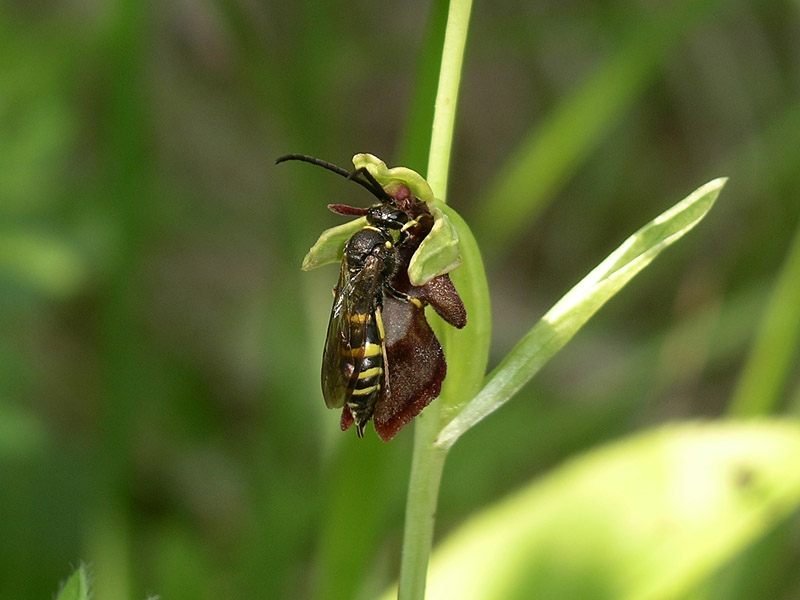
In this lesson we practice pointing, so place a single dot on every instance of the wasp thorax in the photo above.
(371, 242)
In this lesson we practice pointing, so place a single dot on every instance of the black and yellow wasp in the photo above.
(381, 360)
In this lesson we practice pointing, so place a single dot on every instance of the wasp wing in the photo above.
(353, 308)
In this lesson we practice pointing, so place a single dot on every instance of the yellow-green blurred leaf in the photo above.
(42, 261)
(648, 517)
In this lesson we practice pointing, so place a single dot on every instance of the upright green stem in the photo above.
(423, 493)
(428, 459)
(445, 111)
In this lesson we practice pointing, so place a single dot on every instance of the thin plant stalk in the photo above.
(764, 376)
(428, 460)
(427, 464)
(444, 115)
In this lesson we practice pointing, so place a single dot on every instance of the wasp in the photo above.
(382, 362)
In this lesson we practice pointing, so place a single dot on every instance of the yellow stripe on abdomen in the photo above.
(374, 371)
(365, 391)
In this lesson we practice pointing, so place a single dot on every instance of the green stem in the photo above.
(428, 459)
(423, 493)
(444, 115)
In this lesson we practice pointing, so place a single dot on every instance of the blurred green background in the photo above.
(160, 412)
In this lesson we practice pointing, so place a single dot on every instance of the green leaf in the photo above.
(330, 244)
(647, 517)
(570, 313)
(76, 587)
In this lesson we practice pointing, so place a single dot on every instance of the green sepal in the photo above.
(385, 176)
(330, 245)
(438, 253)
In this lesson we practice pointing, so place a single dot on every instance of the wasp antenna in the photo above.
(368, 182)
(315, 161)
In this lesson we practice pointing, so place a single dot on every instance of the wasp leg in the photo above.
(409, 225)
(360, 428)
(379, 322)
(402, 296)
(404, 229)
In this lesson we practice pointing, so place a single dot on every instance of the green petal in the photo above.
(438, 253)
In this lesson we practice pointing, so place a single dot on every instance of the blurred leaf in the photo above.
(76, 587)
(365, 468)
(553, 150)
(570, 313)
(415, 141)
(33, 152)
(772, 355)
(648, 517)
(38, 122)
(22, 433)
(765, 569)
(42, 261)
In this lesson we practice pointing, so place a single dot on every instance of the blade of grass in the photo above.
(551, 152)
(562, 321)
(771, 357)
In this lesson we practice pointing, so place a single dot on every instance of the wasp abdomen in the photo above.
(363, 367)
